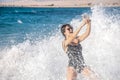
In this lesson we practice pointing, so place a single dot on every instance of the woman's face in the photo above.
(68, 30)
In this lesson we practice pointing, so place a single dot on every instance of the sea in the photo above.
(31, 42)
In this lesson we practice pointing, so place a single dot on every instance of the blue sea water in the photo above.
(30, 42)
(16, 22)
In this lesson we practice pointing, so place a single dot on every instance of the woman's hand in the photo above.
(86, 18)
(86, 21)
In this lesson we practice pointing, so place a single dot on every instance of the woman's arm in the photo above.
(75, 33)
(86, 34)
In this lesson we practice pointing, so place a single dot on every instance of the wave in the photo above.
(46, 60)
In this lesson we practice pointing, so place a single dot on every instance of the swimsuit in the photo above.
(75, 57)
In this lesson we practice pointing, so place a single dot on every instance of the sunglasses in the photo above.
(69, 29)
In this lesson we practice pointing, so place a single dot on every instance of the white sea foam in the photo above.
(19, 21)
(45, 60)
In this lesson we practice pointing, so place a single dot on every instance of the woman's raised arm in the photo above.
(75, 33)
(87, 32)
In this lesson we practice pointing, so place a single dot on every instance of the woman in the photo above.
(74, 50)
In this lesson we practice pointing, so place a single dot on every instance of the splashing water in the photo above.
(46, 60)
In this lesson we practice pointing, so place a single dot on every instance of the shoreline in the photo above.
(58, 3)
(59, 6)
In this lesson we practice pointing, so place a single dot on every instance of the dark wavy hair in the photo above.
(63, 28)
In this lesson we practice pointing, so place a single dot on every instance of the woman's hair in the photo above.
(63, 28)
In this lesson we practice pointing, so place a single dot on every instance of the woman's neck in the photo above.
(67, 36)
